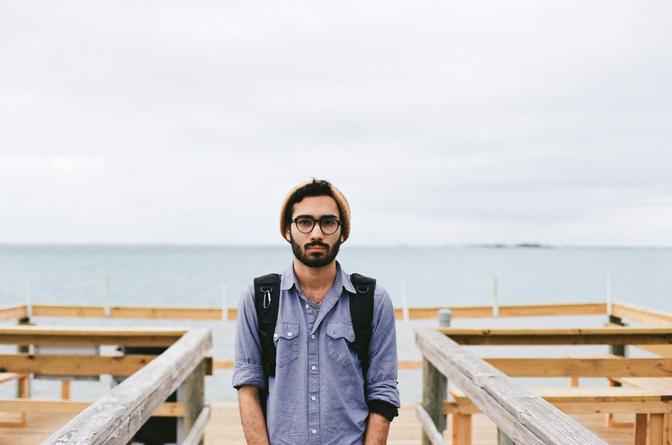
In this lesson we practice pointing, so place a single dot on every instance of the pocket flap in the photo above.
(337, 329)
(286, 329)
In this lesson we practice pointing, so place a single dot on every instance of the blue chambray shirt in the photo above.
(318, 394)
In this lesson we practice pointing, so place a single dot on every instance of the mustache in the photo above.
(316, 244)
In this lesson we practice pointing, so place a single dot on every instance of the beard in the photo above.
(315, 259)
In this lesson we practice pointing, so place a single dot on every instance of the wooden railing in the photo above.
(522, 416)
(115, 417)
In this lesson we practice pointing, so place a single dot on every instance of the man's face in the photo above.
(315, 249)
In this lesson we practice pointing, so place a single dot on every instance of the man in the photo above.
(320, 393)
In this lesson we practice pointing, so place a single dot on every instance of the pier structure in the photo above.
(467, 398)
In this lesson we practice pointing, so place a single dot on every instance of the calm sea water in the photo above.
(215, 276)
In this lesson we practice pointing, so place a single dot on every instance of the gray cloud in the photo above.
(479, 121)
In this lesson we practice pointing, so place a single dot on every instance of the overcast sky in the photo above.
(446, 122)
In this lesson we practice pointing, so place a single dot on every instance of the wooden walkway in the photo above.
(224, 428)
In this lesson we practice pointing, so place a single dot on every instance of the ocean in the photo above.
(421, 276)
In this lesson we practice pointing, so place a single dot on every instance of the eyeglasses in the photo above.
(328, 224)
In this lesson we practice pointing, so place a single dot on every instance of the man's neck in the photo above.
(315, 282)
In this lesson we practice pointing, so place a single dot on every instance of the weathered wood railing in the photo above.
(523, 417)
(115, 417)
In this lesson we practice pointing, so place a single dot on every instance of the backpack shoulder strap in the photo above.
(361, 313)
(267, 302)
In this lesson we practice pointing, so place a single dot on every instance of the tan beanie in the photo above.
(343, 207)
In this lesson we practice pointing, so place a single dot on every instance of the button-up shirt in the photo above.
(319, 394)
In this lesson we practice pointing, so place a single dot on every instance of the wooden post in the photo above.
(618, 350)
(23, 387)
(435, 386)
(192, 392)
(641, 421)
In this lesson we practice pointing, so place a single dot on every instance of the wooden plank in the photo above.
(461, 433)
(14, 312)
(521, 415)
(215, 313)
(195, 436)
(74, 365)
(418, 313)
(555, 336)
(166, 409)
(87, 336)
(192, 392)
(583, 367)
(402, 364)
(542, 310)
(662, 385)
(79, 365)
(641, 315)
(434, 386)
(656, 429)
(574, 407)
(428, 427)
(640, 429)
(115, 417)
(144, 312)
(79, 311)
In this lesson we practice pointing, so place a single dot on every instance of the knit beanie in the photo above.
(341, 202)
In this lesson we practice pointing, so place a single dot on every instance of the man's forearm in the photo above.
(376, 430)
(252, 416)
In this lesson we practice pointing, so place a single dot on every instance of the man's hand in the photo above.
(376, 430)
(251, 416)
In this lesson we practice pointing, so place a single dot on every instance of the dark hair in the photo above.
(318, 187)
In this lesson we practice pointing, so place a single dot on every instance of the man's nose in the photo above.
(317, 231)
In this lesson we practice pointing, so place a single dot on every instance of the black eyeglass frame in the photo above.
(315, 221)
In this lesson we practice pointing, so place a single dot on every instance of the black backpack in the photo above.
(267, 302)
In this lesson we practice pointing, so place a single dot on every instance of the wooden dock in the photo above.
(224, 428)
(636, 407)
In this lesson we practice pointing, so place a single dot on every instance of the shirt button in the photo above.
(313, 398)
(312, 336)
(275, 335)
(289, 334)
(313, 367)
(314, 431)
(307, 306)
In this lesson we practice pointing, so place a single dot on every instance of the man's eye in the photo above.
(304, 222)
(328, 223)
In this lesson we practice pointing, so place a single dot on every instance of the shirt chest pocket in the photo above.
(339, 342)
(286, 343)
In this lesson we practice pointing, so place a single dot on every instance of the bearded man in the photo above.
(315, 348)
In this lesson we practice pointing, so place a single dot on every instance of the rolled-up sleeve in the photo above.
(248, 368)
(381, 378)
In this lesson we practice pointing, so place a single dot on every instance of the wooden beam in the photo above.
(403, 364)
(195, 436)
(74, 365)
(14, 312)
(144, 312)
(641, 315)
(522, 416)
(114, 418)
(583, 367)
(166, 409)
(215, 313)
(555, 336)
(79, 365)
(87, 336)
(428, 427)
(539, 310)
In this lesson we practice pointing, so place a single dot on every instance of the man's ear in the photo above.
(288, 236)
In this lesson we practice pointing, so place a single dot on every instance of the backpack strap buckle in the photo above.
(266, 290)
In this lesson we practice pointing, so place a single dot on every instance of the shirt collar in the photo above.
(289, 279)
